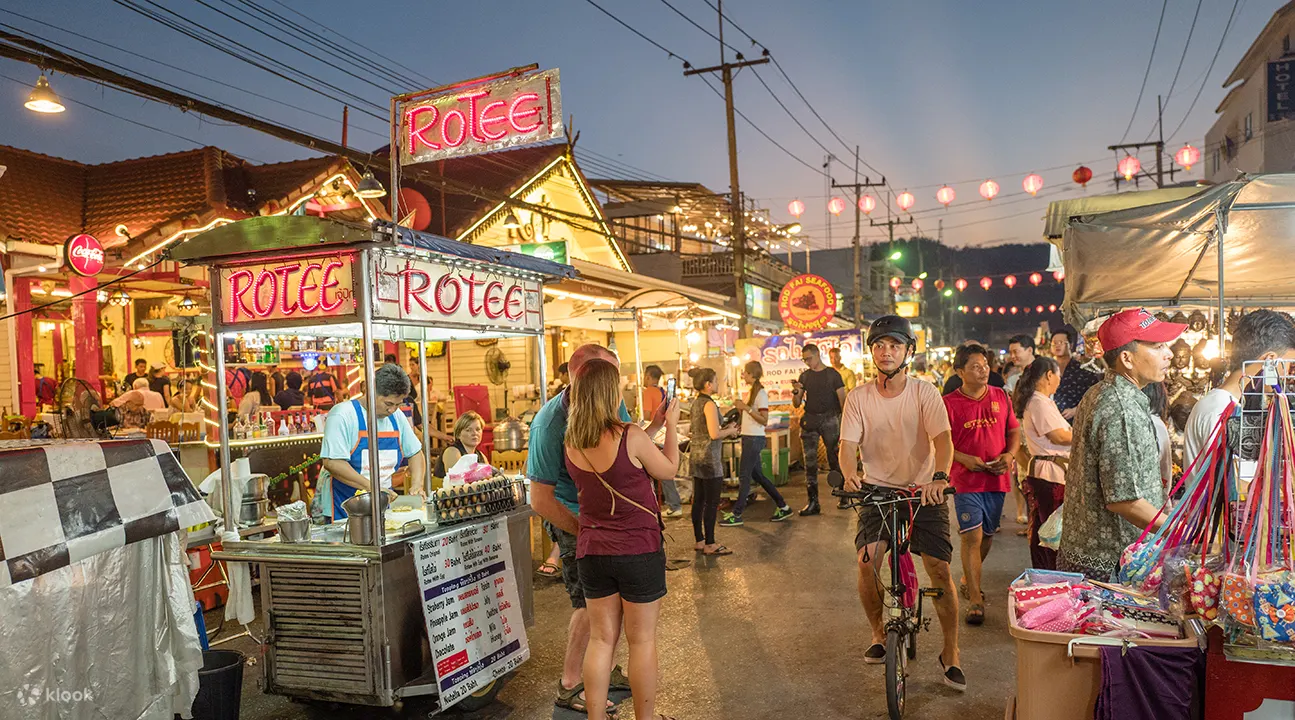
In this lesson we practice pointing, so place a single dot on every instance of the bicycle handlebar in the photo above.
(895, 494)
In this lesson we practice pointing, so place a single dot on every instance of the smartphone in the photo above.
(670, 387)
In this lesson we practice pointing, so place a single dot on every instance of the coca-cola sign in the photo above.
(84, 255)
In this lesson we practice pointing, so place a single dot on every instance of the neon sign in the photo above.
(427, 291)
(84, 255)
(310, 287)
(482, 118)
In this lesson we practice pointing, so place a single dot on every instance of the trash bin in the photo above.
(776, 473)
(220, 686)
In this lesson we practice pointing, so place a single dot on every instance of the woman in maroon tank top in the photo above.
(618, 548)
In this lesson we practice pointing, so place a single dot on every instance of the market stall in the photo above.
(344, 604)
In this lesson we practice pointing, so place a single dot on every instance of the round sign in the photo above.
(807, 303)
(84, 255)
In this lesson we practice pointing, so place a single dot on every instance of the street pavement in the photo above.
(773, 631)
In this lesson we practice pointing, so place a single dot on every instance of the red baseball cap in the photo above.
(1126, 326)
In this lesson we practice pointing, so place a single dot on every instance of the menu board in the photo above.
(470, 602)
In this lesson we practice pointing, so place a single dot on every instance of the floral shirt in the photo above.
(1115, 458)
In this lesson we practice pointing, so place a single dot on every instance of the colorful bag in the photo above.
(1238, 598)
(1206, 584)
(1024, 595)
(1274, 597)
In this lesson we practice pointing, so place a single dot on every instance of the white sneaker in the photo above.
(676, 512)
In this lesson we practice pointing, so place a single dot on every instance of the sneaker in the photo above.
(731, 520)
(781, 514)
(953, 676)
(875, 655)
(674, 512)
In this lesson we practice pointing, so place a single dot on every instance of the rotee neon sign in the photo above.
(305, 288)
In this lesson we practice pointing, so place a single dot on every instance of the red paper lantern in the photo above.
(989, 189)
(836, 206)
(1010, 281)
(1038, 309)
(1187, 156)
(905, 200)
(796, 208)
(412, 201)
(1129, 167)
(1035, 278)
(1014, 309)
(1059, 275)
(867, 204)
(1032, 183)
(945, 195)
(895, 283)
(939, 284)
(917, 283)
(1002, 311)
(960, 284)
(1026, 310)
(986, 283)
(1052, 308)
(976, 309)
(1082, 175)
(989, 311)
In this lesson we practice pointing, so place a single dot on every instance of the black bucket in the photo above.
(220, 686)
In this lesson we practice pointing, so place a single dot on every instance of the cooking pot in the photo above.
(362, 504)
(510, 435)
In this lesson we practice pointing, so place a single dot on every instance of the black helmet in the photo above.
(891, 326)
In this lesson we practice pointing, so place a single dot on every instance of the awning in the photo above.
(1060, 211)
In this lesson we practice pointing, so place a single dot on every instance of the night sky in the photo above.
(933, 92)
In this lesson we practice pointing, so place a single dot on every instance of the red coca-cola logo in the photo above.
(84, 255)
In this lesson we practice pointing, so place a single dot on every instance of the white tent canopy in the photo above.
(1168, 254)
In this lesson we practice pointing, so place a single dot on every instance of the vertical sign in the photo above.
(470, 602)
(1280, 104)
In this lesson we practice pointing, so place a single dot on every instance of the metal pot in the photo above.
(359, 530)
(252, 510)
(363, 504)
(510, 435)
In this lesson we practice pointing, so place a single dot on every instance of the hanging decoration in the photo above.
(1082, 175)
(1129, 167)
(961, 284)
(1014, 309)
(1052, 308)
(1010, 281)
(939, 284)
(1026, 309)
(989, 311)
(1187, 156)
(895, 283)
(1038, 309)
(976, 310)
(1035, 278)
(917, 283)
(1002, 310)
(905, 200)
(867, 204)
(986, 283)
(989, 189)
(796, 208)
(1059, 275)
(945, 195)
(1032, 183)
(836, 206)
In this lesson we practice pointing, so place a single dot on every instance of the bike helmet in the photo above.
(896, 328)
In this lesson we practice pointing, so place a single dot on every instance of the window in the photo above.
(1250, 126)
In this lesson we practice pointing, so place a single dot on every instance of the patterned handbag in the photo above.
(1274, 606)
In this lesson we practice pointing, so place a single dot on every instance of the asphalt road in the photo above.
(772, 631)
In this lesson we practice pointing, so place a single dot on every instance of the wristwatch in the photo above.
(940, 477)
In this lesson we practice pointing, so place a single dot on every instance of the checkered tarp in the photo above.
(63, 502)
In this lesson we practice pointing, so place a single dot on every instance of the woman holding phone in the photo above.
(755, 416)
(704, 455)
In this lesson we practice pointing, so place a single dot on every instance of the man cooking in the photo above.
(345, 448)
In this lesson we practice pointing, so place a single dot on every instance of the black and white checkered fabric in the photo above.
(62, 502)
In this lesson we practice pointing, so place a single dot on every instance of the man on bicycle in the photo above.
(900, 427)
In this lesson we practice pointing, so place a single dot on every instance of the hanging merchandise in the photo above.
(945, 195)
(989, 190)
(1082, 175)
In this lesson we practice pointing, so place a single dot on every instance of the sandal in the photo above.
(721, 550)
(549, 570)
(976, 614)
(571, 700)
(619, 680)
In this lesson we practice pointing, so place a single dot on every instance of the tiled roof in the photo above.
(282, 180)
(40, 196)
(146, 192)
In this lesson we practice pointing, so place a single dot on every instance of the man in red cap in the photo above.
(1113, 487)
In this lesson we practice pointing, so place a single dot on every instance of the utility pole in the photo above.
(738, 231)
(1159, 145)
(858, 218)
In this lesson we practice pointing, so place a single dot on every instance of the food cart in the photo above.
(348, 622)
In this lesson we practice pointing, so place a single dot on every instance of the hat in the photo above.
(1126, 326)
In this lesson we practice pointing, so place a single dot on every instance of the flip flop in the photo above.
(549, 570)
(976, 614)
(721, 550)
(571, 700)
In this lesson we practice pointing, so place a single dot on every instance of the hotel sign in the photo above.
(429, 292)
(1281, 77)
(481, 118)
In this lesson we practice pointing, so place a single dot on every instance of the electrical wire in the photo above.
(788, 111)
(1159, 25)
(790, 154)
(94, 289)
(694, 23)
(1181, 58)
(1217, 51)
(632, 29)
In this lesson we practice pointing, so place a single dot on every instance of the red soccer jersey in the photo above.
(980, 428)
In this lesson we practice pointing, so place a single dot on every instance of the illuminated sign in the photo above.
(482, 118)
(417, 290)
(555, 251)
(313, 287)
(807, 303)
(84, 255)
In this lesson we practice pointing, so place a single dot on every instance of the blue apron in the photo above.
(388, 442)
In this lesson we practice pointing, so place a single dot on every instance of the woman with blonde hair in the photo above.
(619, 548)
(755, 416)
(468, 430)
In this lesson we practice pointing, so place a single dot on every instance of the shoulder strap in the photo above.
(614, 492)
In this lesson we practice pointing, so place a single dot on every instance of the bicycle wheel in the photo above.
(896, 672)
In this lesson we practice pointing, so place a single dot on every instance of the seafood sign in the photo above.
(807, 303)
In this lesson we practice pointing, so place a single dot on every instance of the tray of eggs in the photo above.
(483, 498)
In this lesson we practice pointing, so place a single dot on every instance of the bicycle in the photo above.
(904, 617)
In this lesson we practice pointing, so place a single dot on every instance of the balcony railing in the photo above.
(773, 272)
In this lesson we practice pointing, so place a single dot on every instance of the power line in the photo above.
(788, 111)
(692, 22)
(1187, 44)
(1163, 6)
(1217, 51)
(766, 135)
(631, 28)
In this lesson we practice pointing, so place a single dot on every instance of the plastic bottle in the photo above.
(283, 426)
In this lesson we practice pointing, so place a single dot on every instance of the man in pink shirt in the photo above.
(900, 429)
(985, 432)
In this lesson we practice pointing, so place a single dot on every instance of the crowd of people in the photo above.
(1081, 437)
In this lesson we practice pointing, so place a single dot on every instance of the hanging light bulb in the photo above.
(43, 99)
(369, 187)
(187, 304)
(119, 298)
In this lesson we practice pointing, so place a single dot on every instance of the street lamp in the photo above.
(43, 99)
(896, 256)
